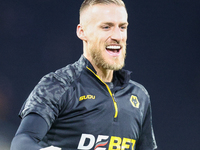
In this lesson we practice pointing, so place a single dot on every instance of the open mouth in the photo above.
(113, 50)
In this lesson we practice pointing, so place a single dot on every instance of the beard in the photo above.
(116, 63)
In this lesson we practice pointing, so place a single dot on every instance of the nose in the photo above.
(116, 34)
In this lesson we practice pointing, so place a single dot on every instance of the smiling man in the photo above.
(91, 104)
(103, 29)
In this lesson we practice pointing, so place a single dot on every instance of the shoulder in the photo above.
(55, 85)
(62, 78)
(139, 86)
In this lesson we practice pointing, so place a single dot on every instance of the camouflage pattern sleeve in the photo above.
(45, 98)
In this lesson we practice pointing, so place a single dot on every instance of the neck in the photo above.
(105, 75)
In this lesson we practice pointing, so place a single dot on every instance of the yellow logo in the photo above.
(134, 101)
(86, 97)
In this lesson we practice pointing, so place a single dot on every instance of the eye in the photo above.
(106, 27)
(123, 27)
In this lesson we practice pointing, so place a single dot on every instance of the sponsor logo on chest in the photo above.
(88, 142)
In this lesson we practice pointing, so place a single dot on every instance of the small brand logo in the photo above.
(134, 101)
(86, 97)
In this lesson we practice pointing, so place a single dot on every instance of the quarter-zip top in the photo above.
(74, 103)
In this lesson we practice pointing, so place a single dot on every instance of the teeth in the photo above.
(113, 47)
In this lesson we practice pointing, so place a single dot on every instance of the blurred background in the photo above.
(38, 37)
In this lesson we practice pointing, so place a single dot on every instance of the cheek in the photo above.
(124, 36)
(98, 38)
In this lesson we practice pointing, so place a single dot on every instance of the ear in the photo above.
(80, 32)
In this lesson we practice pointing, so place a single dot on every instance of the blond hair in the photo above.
(87, 3)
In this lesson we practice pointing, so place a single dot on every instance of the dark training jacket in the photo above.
(83, 112)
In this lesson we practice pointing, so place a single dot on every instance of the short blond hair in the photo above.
(87, 3)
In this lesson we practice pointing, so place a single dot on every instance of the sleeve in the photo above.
(147, 139)
(30, 132)
(44, 100)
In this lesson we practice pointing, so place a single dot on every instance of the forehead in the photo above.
(107, 13)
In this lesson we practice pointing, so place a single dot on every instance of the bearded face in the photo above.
(105, 35)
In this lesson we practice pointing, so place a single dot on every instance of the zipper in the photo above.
(114, 102)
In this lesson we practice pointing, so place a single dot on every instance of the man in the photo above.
(91, 104)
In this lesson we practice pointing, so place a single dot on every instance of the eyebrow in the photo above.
(125, 23)
(111, 24)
